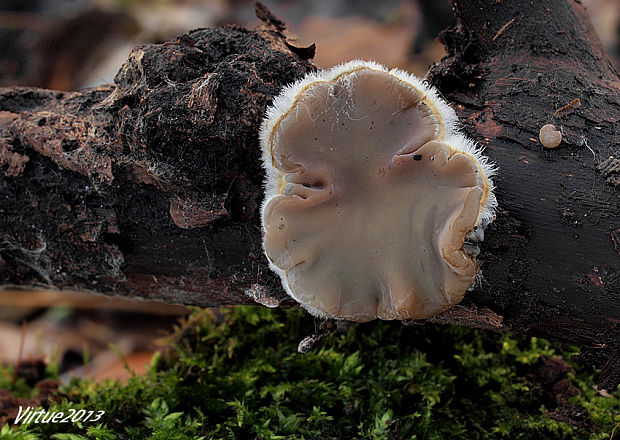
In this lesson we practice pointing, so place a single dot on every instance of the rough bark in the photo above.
(150, 187)
(551, 262)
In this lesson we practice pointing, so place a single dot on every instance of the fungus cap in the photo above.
(550, 137)
(371, 192)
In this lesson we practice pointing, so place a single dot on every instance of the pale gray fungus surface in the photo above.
(550, 137)
(371, 193)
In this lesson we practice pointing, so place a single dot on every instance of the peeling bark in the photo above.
(150, 187)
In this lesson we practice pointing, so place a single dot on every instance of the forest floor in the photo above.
(236, 373)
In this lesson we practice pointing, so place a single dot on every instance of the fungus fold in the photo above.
(374, 201)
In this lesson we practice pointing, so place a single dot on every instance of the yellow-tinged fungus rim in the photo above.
(486, 187)
(423, 98)
(447, 132)
(447, 121)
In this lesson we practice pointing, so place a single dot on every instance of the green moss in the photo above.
(238, 375)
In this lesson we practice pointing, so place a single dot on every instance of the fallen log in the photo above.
(150, 187)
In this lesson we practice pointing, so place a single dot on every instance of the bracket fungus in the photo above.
(374, 201)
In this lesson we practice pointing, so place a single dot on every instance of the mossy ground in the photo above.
(236, 374)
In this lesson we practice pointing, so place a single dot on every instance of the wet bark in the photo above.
(551, 261)
(150, 187)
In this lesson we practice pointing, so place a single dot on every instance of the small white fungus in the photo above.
(550, 137)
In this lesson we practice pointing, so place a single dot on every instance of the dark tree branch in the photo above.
(150, 187)
(551, 266)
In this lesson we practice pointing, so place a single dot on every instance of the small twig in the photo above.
(575, 103)
(306, 344)
(503, 29)
(21, 21)
(19, 355)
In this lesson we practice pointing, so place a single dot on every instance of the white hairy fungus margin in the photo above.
(372, 195)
